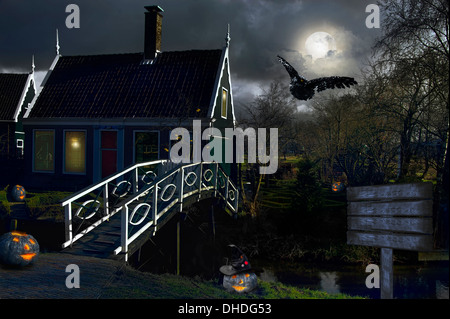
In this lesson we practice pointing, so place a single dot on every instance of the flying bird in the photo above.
(304, 89)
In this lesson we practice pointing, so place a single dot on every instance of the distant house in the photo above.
(16, 92)
(97, 114)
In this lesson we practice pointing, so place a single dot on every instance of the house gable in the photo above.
(16, 92)
(223, 86)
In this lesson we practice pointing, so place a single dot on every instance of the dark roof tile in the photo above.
(11, 89)
(177, 84)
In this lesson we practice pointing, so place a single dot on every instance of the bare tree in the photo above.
(274, 108)
(415, 45)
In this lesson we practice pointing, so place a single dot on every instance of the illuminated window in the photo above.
(44, 150)
(146, 146)
(224, 103)
(75, 152)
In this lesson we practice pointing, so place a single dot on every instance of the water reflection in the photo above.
(428, 281)
(328, 282)
(268, 275)
(441, 290)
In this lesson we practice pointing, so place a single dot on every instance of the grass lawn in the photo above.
(133, 284)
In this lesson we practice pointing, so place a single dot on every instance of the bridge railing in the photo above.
(144, 193)
(91, 206)
(144, 209)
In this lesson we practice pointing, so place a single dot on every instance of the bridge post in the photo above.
(200, 180)
(135, 181)
(155, 207)
(124, 231)
(105, 199)
(68, 221)
(236, 201)
(181, 188)
(226, 191)
(215, 179)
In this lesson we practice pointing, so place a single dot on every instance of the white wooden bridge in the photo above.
(113, 217)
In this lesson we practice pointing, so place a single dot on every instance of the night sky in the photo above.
(260, 30)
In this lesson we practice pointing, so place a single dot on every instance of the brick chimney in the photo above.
(153, 28)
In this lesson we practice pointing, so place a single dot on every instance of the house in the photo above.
(16, 92)
(97, 114)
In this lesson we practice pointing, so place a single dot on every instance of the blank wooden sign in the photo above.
(377, 218)
(390, 217)
(390, 192)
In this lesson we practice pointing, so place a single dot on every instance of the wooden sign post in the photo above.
(397, 216)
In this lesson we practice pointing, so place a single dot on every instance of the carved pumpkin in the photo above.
(337, 187)
(237, 276)
(242, 282)
(18, 193)
(18, 249)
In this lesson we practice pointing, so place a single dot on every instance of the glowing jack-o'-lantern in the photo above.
(18, 193)
(237, 275)
(18, 249)
(242, 282)
(337, 187)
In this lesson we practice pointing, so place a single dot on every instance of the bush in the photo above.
(309, 196)
(5, 208)
(46, 205)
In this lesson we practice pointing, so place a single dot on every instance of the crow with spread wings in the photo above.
(303, 89)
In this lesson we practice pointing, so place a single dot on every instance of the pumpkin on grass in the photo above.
(18, 249)
(337, 187)
(237, 276)
(240, 282)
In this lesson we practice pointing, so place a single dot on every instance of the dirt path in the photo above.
(46, 278)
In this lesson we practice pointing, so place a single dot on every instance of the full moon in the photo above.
(319, 44)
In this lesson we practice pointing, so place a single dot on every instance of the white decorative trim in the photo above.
(217, 86)
(186, 178)
(24, 94)
(77, 214)
(36, 95)
(130, 219)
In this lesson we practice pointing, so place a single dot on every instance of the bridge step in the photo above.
(92, 250)
(112, 233)
(104, 242)
(100, 242)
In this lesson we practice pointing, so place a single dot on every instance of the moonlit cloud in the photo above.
(260, 30)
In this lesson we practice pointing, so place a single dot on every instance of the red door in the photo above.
(109, 152)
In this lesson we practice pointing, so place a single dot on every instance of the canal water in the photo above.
(422, 281)
(201, 257)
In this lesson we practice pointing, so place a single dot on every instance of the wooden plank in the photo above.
(415, 242)
(395, 224)
(391, 192)
(387, 274)
(435, 255)
(397, 208)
